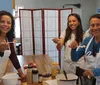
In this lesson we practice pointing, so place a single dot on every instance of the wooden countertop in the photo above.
(22, 60)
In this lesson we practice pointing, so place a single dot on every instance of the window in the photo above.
(17, 28)
(17, 21)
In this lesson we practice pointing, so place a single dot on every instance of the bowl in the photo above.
(71, 79)
(10, 79)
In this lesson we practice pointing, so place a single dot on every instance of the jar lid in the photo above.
(40, 74)
(30, 66)
(34, 65)
(34, 71)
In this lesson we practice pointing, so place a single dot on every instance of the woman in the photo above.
(73, 32)
(91, 49)
(6, 42)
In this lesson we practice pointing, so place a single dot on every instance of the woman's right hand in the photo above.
(3, 46)
(59, 42)
(56, 40)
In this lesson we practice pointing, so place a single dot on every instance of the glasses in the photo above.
(93, 25)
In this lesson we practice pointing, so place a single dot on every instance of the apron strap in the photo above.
(88, 44)
(99, 50)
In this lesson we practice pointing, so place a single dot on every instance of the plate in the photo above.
(70, 77)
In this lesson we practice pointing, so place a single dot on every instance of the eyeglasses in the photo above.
(93, 25)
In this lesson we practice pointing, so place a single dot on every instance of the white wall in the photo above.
(88, 6)
(98, 5)
(88, 9)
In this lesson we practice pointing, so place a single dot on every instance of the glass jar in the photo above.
(55, 69)
(29, 74)
(40, 78)
(35, 75)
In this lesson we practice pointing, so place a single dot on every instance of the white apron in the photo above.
(69, 65)
(3, 62)
(92, 62)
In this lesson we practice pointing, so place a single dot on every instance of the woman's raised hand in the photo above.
(56, 40)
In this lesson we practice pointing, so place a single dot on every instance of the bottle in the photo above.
(29, 74)
(40, 78)
(35, 75)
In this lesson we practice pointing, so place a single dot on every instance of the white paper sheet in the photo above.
(50, 82)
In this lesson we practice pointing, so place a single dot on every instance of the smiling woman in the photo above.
(7, 49)
(73, 32)
(5, 24)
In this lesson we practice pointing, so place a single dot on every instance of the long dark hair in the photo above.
(11, 34)
(79, 30)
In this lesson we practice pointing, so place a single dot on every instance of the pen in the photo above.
(83, 46)
(6, 42)
(10, 42)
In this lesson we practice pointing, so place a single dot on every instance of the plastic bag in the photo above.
(84, 80)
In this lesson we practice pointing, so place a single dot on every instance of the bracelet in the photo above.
(89, 77)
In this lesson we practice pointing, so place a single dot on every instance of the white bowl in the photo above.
(59, 82)
(10, 79)
(71, 79)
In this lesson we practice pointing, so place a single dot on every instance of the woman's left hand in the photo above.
(88, 74)
(73, 44)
